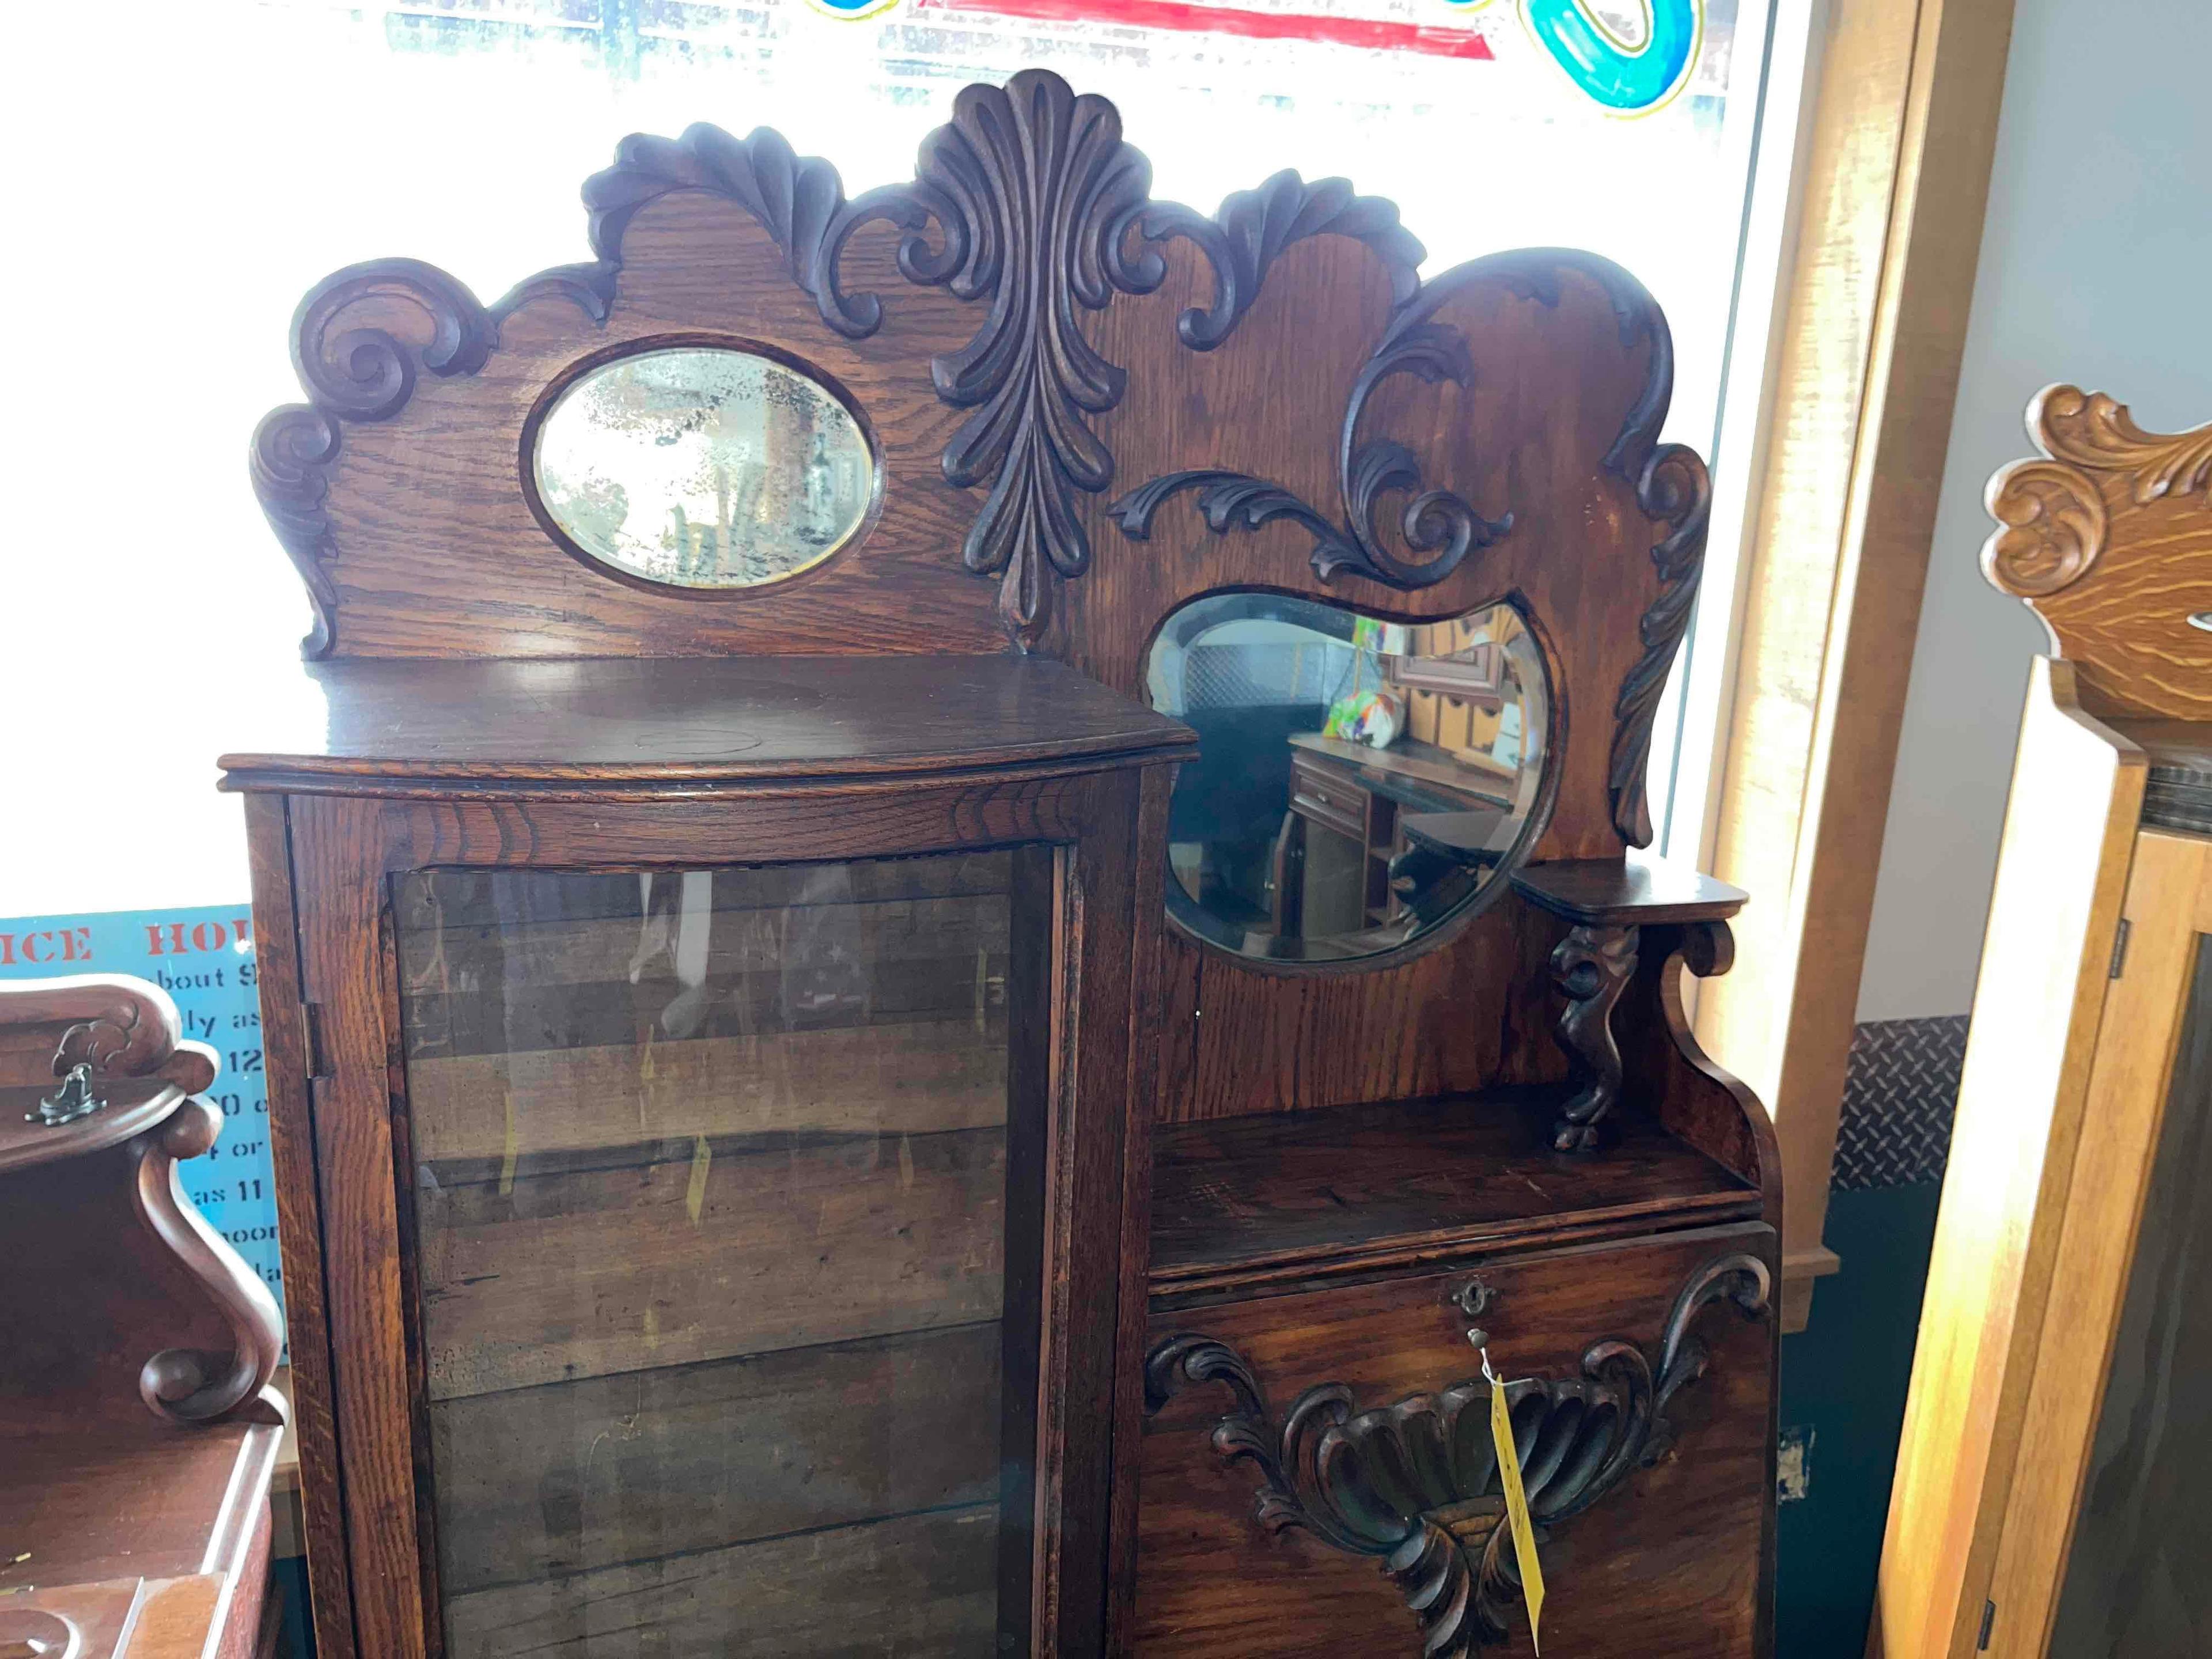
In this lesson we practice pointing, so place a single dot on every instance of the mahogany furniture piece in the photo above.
(798, 1128)
(136, 1428)
(2049, 1479)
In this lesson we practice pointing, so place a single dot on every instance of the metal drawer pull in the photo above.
(1413, 1488)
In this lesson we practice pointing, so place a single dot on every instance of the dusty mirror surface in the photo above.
(1359, 782)
(702, 467)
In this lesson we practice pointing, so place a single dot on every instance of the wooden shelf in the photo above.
(1295, 1197)
(1629, 892)
(690, 720)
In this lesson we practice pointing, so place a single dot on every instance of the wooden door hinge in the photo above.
(1989, 1621)
(2120, 949)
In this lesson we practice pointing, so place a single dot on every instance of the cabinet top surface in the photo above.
(694, 719)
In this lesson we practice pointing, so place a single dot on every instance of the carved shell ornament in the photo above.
(1415, 1485)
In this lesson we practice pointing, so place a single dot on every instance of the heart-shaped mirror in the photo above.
(1359, 782)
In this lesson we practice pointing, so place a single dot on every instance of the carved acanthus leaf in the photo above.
(1254, 228)
(1415, 1485)
(2097, 433)
(1672, 487)
(1037, 193)
(2052, 514)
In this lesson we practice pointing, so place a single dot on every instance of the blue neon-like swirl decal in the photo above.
(1630, 80)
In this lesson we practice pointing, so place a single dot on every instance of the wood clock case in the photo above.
(1085, 408)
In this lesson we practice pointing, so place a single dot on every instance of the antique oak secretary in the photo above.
(953, 916)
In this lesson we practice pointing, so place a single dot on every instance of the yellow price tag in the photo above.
(1517, 1503)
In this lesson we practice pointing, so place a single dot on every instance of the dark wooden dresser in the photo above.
(137, 1432)
(951, 930)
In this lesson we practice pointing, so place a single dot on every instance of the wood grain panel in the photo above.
(1681, 1544)
(547, 1482)
(919, 1584)
(866, 1079)
(726, 1251)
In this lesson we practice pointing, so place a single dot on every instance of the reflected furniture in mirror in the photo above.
(2049, 1490)
(138, 1428)
(1357, 781)
(948, 883)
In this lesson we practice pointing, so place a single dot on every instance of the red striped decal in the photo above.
(1373, 35)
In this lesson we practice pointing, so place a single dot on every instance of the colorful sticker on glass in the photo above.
(1625, 79)
(851, 10)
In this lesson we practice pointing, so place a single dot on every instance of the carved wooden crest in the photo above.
(1022, 326)
(2109, 540)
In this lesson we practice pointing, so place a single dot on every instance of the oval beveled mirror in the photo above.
(1359, 782)
(702, 467)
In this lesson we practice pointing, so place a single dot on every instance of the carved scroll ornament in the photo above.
(2133, 507)
(1414, 1485)
(2052, 513)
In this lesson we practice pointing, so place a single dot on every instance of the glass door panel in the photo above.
(710, 1196)
(2136, 1584)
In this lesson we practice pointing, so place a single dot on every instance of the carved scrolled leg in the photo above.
(1590, 968)
(191, 1385)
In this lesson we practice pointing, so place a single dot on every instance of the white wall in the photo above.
(2096, 268)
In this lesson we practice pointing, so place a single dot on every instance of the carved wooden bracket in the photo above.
(1415, 1485)
(194, 1385)
(1591, 968)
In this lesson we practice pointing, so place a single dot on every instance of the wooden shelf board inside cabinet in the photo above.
(1289, 1198)
(692, 720)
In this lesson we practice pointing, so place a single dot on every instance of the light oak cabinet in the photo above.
(2048, 1491)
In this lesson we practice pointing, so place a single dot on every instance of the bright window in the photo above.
(187, 169)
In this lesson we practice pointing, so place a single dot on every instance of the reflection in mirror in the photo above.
(1359, 782)
(702, 466)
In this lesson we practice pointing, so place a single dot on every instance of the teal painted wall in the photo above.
(1845, 1379)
